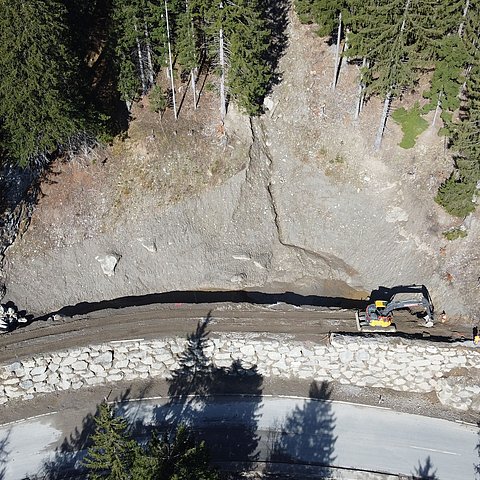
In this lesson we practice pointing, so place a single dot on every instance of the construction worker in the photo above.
(476, 336)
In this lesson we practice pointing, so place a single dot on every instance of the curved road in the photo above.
(270, 431)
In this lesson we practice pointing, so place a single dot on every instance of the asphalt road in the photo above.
(269, 431)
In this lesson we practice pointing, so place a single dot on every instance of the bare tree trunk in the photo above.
(140, 62)
(361, 86)
(194, 87)
(223, 102)
(193, 73)
(337, 52)
(170, 64)
(465, 12)
(383, 121)
(437, 109)
(149, 56)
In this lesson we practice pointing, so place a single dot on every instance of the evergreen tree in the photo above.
(181, 458)
(40, 107)
(457, 193)
(248, 38)
(113, 453)
(139, 38)
(447, 78)
(305, 10)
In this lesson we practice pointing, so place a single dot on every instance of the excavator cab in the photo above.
(373, 316)
(378, 315)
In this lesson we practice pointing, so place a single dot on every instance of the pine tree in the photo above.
(113, 453)
(305, 10)
(188, 46)
(456, 194)
(447, 78)
(179, 457)
(248, 38)
(40, 107)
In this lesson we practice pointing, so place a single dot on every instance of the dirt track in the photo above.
(180, 319)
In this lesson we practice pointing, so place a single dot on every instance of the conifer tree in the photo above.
(456, 194)
(249, 73)
(180, 457)
(187, 46)
(113, 453)
(40, 107)
(447, 78)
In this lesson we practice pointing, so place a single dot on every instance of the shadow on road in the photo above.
(194, 387)
(425, 471)
(477, 466)
(66, 462)
(307, 435)
(4, 441)
(198, 297)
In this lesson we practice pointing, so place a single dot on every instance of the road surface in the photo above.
(259, 430)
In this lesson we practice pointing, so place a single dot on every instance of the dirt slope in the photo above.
(296, 200)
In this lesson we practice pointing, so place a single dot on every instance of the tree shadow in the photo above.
(66, 463)
(198, 390)
(4, 453)
(425, 471)
(477, 448)
(276, 17)
(306, 436)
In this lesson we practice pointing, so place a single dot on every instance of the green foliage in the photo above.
(248, 37)
(40, 107)
(455, 233)
(304, 10)
(158, 99)
(447, 77)
(456, 195)
(412, 124)
(114, 455)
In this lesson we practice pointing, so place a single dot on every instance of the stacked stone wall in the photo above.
(452, 371)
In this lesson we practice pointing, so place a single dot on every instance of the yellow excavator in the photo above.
(378, 316)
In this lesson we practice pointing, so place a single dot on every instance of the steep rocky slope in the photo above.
(296, 200)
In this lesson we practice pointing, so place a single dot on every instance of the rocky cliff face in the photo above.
(313, 209)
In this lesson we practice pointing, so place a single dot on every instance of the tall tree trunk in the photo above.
(193, 71)
(194, 87)
(388, 98)
(140, 61)
(383, 121)
(223, 101)
(465, 12)
(170, 63)
(361, 87)
(437, 109)
(151, 72)
(337, 52)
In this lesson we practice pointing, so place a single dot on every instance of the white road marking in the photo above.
(26, 419)
(435, 450)
(127, 341)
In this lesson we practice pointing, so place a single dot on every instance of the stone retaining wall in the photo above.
(453, 372)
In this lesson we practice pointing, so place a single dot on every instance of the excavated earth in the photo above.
(296, 200)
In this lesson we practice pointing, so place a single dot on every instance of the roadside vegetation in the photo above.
(69, 80)
(116, 455)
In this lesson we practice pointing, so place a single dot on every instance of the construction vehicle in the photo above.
(378, 316)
